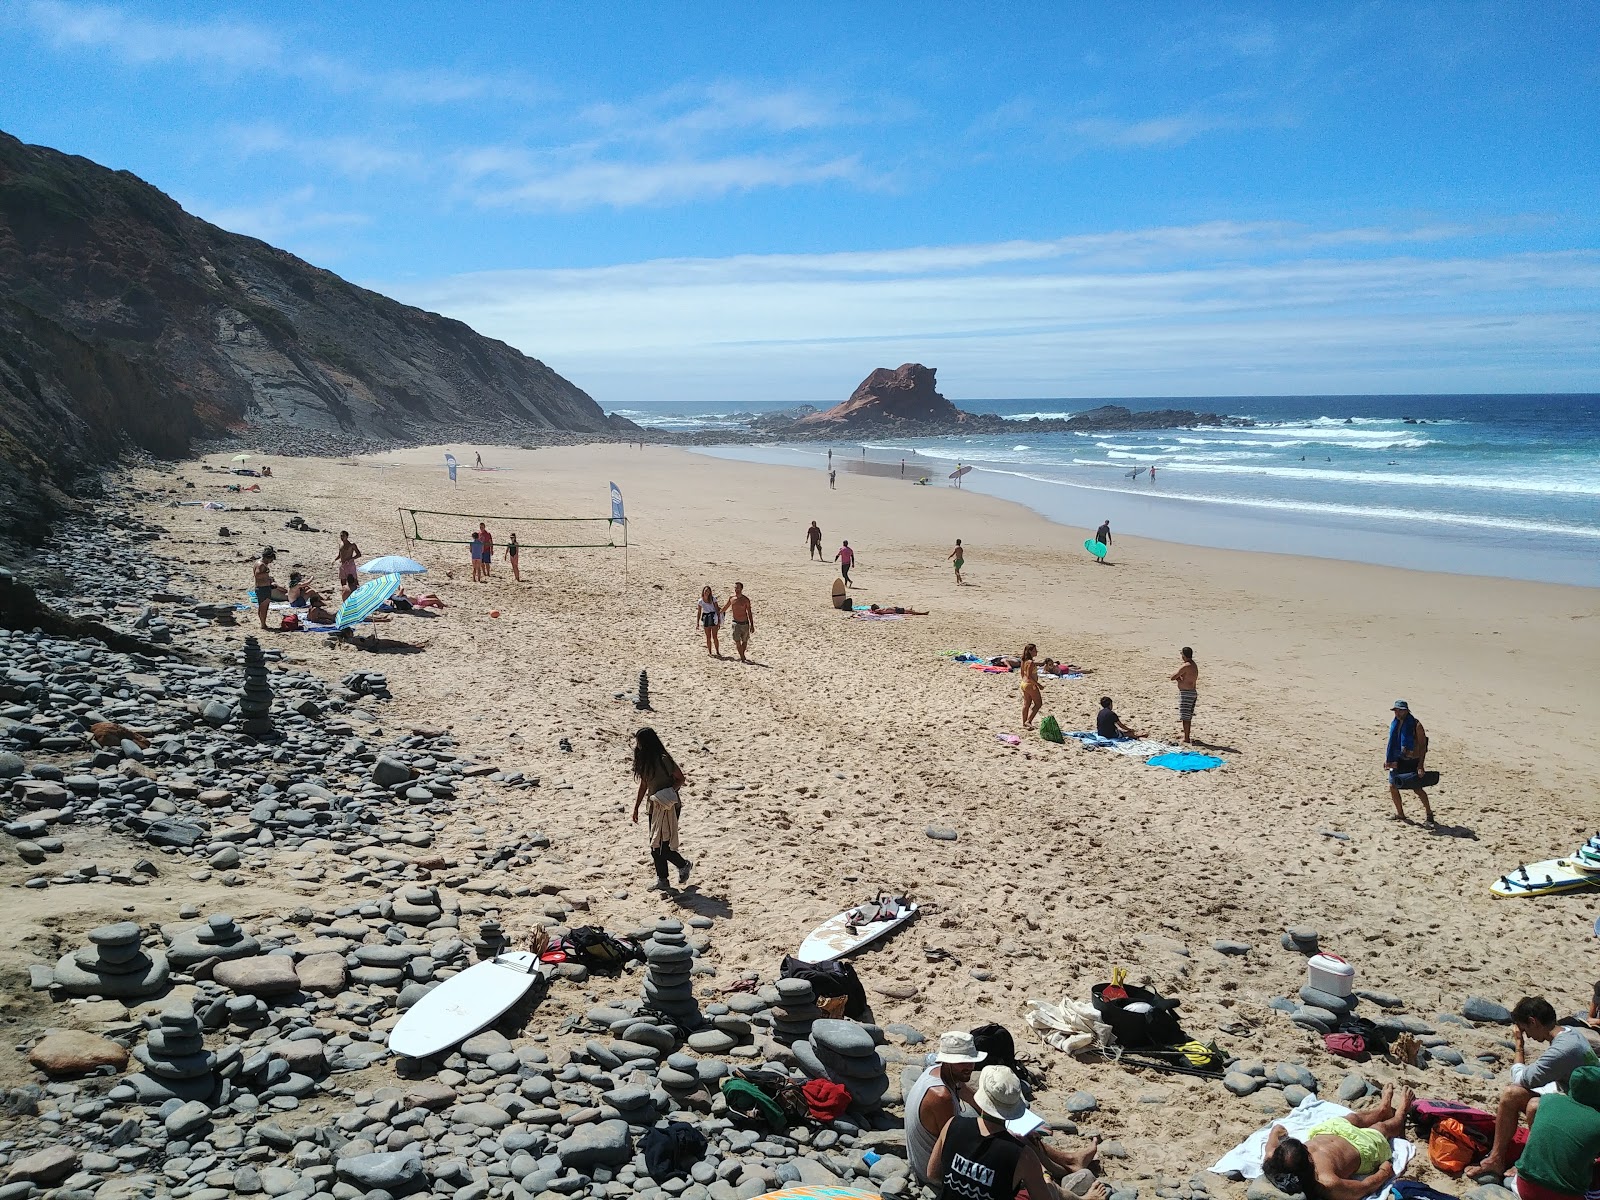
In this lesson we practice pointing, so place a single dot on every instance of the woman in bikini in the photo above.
(708, 614)
(1032, 697)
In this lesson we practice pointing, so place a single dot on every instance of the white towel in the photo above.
(1244, 1160)
(1133, 747)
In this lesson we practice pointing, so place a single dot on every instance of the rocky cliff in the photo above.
(908, 395)
(127, 322)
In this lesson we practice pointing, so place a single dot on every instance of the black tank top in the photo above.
(976, 1166)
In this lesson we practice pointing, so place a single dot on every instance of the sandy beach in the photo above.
(816, 771)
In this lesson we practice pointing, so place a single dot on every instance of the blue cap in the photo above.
(1402, 706)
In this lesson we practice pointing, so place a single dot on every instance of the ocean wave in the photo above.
(1043, 416)
(1550, 487)
(1370, 512)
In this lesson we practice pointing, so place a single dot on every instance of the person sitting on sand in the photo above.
(998, 1152)
(1343, 1158)
(1533, 1017)
(1563, 1143)
(1108, 725)
(941, 1093)
(320, 614)
(897, 610)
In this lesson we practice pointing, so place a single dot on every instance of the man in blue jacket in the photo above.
(1406, 756)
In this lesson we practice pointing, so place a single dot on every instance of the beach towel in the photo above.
(878, 616)
(1244, 1160)
(1185, 760)
(1043, 675)
(1133, 747)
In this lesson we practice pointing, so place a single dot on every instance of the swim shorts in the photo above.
(1373, 1147)
(1187, 699)
(741, 633)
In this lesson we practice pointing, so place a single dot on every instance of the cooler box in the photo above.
(1330, 973)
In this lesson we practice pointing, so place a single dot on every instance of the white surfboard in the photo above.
(1544, 879)
(466, 1003)
(839, 936)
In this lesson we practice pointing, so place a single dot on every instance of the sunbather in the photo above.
(892, 608)
(1345, 1158)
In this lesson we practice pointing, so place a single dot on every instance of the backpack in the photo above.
(601, 951)
(1453, 1147)
(1428, 1113)
(1346, 1045)
(996, 1045)
(290, 621)
(1155, 1026)
(1050, 730)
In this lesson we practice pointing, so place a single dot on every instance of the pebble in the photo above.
(941, 833)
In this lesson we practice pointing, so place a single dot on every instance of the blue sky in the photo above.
(693, 201)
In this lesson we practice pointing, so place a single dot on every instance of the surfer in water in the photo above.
(1103, 536)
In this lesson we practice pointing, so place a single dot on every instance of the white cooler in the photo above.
(1330, 973)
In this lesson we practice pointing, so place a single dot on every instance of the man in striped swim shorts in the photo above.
(1186, 677)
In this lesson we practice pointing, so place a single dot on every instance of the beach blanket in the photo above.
(1185, 760)
(1244, 1160)
(872, 616)
(1047, 675)
(1132, 747)
(986, 669)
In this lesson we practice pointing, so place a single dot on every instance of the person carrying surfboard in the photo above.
(1404, 758)
(659, 778)
(1103, 536)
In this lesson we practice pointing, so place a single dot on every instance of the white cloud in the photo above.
(351, 156)
(277, 219)
(1071, 316)
(1152, 131)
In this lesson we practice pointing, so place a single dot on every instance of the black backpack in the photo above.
(996, 1045)
(601, 951)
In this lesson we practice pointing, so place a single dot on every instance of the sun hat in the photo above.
(1402, 706)
(958, 1047)
(999, 1095)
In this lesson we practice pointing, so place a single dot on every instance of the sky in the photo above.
(693, 202)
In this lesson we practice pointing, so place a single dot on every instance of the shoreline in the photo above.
(1444, 548)
(815, 776)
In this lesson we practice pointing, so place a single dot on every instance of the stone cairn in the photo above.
(255, 702)
(642, 703)
(491, 939)
(418, 906)
(668, 986)
(113, 965)
(175, 1059)
(220, 938)
(796, 1010)
(844, 1051)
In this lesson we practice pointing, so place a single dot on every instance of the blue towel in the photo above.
(1185, 760)
(1402, 739)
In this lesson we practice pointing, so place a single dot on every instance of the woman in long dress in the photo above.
(659, 779)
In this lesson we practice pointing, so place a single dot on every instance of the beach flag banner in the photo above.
(616, 504)
(450, 465)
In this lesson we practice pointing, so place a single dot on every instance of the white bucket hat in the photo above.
(958, 1047)
(999, 1095)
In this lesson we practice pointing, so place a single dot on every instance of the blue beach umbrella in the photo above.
(392, 564)
(364, 601)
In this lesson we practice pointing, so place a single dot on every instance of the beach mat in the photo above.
(1132, 747)
(1184, 760)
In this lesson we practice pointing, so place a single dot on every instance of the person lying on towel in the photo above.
(1345, 1158)
(891, 608)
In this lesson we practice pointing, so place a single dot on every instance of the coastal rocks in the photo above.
(846, 1053)
(175, 1059)
(669, 966)
(265, 975)
(417, 906)
(45, 1169)
(113, 966)
(395, 1172)
(69, 1053)
(906, 395)
(255, 700)
(602, 1144)
(796, 1011)
(219, 938)
(1485, 1011)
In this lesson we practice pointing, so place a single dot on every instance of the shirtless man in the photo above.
(744, 619)
(1344, 1158)
(814, 540)
(960, 557)
(262, 570)
(1187, 676)
(346, 557)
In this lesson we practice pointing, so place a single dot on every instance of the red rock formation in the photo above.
(888, 397)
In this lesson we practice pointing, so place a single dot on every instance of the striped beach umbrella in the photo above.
(364, 601)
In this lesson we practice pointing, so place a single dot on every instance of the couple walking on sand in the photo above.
(709, 614)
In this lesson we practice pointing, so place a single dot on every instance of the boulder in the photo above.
(44, 1168)
(603, 1144)
(266, 975)
(393, 1171)
(72, 1052)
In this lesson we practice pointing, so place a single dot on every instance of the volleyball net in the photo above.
(533, 533)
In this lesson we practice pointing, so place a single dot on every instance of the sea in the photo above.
(1483, 485)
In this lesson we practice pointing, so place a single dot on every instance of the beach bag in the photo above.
(996, 1045)
(751, 1108)
(290, 622)
(1346, 1045)
(1138, 1017)
(1452, 1147)
(601, 951)
(1050, 730)
(1428, 1113)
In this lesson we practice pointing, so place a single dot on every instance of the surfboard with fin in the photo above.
(1549, 878)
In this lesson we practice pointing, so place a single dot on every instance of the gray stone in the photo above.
(1293, 1073)
(712, 1041)
(481, 1115)
(1241, 1084)
(1222, 946)
(1486, 1011)
(1260, 1189)
(1488, 1191)
(394, 1171)
(942, 833)
(389, 772)
(847, 1038)
(1082, 1102)
(265, 975)
(44, 1168)
(1294, 1094)
(602, 1144)
(1381, 999)
(1352, 1088)
(187, 1119)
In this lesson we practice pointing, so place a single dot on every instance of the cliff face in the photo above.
(887, 398)
(124, 321)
